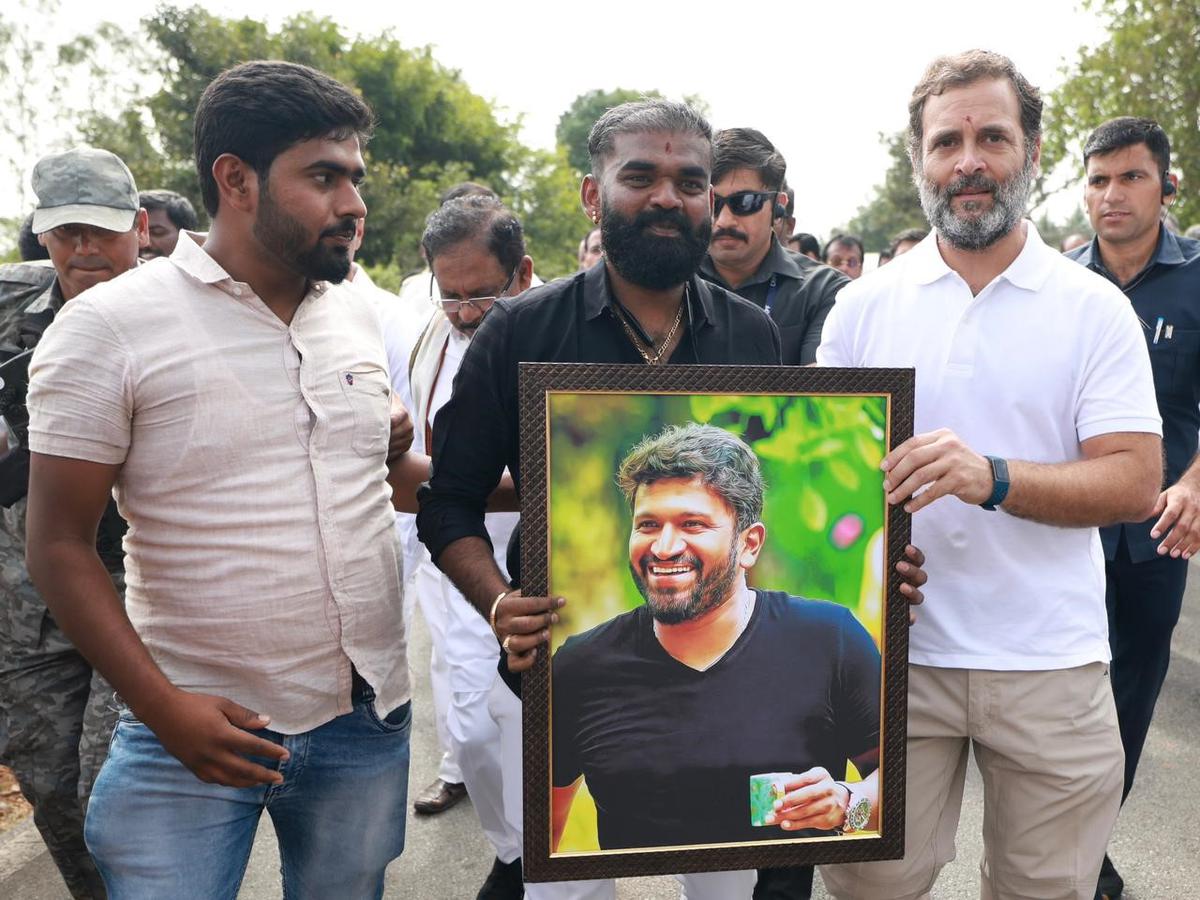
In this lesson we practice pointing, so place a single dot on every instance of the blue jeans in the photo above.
(156, 831)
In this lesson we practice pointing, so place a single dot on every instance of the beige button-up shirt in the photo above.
(261, 559)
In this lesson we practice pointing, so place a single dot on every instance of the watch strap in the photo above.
(858, 811)
(1000, 482)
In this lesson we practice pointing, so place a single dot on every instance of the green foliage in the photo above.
(433, 131)
(576, 123)
(398, 200)
(387, 276)
(895, 206)
(824, 508)
(545, 198)
(9, 251)
(38, 107)
(1147, 67)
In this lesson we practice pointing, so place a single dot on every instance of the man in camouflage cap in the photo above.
(55, 713)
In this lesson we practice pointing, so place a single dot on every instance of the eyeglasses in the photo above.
(742, 203)
(480, 304)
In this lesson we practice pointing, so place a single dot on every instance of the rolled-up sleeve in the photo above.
(474, 439)
(80, 388)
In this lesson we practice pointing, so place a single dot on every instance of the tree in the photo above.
(25, 57)
(39, 75)
(895, 206)
(1147, 67)
(546, 199)
(433, 131)
(576, 123)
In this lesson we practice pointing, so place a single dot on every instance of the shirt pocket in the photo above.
(1174, 362)
(369, 395)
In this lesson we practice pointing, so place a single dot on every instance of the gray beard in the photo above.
(977, 231)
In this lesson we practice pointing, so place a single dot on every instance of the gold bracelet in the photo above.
(495, 606)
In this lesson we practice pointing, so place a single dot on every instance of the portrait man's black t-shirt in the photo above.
(668, 751)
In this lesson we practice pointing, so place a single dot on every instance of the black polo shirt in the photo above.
(568, 320)
(800, 293)
(1166, 291)
(667, 751)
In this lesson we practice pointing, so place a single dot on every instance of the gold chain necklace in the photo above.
(656, 358)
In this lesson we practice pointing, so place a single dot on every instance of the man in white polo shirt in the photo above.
(1043, 368)
(239, 402)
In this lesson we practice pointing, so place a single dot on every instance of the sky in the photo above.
(820, 80)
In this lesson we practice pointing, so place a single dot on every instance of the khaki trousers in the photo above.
(1049, 751)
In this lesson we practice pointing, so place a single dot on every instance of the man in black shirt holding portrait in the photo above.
(649, 190)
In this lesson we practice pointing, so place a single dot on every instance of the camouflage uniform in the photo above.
(56, 714)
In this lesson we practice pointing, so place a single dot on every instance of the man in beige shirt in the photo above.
(238, 400)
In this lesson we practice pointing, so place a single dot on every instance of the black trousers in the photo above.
(1143, 599)
(784, 884)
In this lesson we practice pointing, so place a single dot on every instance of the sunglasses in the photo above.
(742, 203)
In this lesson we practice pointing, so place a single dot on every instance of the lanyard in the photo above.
(772, 290)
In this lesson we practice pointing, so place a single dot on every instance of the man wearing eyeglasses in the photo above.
(476, 251)
(745, 256)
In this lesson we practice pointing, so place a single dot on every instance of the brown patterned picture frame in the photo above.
(538, 383)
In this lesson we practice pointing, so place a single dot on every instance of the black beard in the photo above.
(649, 260)
(710, 591)
(286, 239)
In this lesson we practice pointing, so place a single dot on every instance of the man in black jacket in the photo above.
(745, 256)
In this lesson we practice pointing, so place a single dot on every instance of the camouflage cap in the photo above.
(84, 186)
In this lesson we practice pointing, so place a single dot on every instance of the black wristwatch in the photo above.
(1000, 483)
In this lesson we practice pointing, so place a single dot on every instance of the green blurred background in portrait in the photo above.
(824, 507)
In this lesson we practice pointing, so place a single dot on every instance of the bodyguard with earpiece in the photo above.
(744, 255)
(1128, 192)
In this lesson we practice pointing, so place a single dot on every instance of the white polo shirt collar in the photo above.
(1028, 271)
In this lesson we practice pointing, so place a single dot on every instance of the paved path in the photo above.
(1156, 845)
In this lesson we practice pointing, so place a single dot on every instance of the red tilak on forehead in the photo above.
(668, 146)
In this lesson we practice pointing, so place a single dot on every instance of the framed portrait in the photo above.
(726, 685)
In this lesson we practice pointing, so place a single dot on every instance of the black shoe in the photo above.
(438, 797)
(504, 882)
(1111, 884)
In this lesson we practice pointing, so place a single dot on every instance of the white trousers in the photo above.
(462, 672)
(476, 737)
(506, 711)
(431, 598)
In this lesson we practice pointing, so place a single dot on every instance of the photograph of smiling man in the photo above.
(709, 645)
(716, 679)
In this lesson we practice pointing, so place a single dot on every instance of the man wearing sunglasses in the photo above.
(745, 256)
(476, 251)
